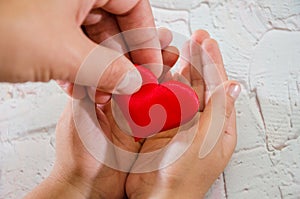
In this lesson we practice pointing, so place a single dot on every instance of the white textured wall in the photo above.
(260, 41)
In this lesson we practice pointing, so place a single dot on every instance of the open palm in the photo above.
(194, 171)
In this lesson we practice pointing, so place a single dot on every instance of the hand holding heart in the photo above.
(56, 46)
(179, 103)
(75, 167)
(192, 174)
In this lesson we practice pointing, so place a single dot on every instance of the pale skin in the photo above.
(77, 174)
(44, 40)
(191, 176)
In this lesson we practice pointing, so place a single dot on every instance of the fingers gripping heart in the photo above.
(155, 107)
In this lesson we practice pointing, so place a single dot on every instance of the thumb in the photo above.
(101, 67)
(217, 113)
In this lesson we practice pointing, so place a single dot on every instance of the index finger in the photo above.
(136, 20)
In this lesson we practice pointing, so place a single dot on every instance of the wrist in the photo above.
(174, 194)
(56, 186)
(76, 182)
(160, 191)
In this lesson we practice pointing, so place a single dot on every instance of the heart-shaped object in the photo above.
(157, 107)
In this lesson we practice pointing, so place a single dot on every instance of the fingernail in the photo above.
(234, 90)
(130, 83)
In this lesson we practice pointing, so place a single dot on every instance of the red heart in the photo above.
(157, 107)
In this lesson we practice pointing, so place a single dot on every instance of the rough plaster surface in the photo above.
(260, 41)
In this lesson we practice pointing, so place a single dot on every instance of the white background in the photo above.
(260, 42)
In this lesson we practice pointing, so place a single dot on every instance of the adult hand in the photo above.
(192, 174)
(43, 40)
(77, 173)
